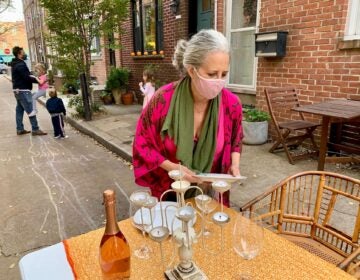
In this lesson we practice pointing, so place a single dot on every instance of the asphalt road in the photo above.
(51, 189)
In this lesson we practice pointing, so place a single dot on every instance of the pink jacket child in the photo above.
(147, 87)
(43, 86)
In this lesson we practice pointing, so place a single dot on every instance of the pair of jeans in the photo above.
(24, 103)
(36, 95)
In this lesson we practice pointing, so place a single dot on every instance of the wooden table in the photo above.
(280, 259)
(335, 109)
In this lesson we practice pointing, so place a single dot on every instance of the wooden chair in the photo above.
(280, 101)
(303, 209)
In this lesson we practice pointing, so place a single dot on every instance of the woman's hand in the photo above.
(188, 174)
(234, 170)
(140, 84)
(235, 164)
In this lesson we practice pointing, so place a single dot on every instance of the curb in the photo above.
(7, 77)
(98, 135)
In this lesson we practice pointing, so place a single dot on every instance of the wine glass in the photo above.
(207, 205)
(141, 218)
(248, 238)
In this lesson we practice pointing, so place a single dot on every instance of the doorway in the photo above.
(205, 14)
(201, 15)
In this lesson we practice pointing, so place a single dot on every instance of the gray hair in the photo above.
(194, 51)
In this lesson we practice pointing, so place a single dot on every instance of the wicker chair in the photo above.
(302, 208)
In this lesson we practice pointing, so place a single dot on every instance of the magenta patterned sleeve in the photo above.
(149, 149)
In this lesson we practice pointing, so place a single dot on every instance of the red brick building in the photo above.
(322, 54)
(154, 28)
(34, 16)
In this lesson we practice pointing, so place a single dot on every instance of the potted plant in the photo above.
(106, 97)
(255, 126)
(117, 82)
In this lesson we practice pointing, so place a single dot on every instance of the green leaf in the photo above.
(255, 115)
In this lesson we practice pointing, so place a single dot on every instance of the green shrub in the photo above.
(105, 93)
(76, 102)
(255, 115)
(118, 78)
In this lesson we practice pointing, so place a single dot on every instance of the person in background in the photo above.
(56, 108)
(194, 121)
(147, 87)
(22, 85)
(43, 86)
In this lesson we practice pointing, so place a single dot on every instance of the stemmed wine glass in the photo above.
(141, 218)
(248, 238)
(207, 205)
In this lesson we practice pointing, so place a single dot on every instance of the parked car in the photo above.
(3, 68)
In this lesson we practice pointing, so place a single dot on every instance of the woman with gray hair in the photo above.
(194, 121)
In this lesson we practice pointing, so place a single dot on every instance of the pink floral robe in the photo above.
(150, 149)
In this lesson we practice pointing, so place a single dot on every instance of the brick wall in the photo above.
(220, 23)
(101, 64)
(313, 63)
(174, 29)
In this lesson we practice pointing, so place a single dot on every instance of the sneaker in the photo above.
(38, 133)
(22, 132)
(57, 137)
(64, 137)
(33, 113)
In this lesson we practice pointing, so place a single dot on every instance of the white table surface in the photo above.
(47, 263)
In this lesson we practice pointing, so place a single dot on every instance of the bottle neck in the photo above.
(112, 227)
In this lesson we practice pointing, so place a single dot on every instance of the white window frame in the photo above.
(96, 45)
(353, 21)
(240, 87)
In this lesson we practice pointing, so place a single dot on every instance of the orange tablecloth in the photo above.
(279, 259)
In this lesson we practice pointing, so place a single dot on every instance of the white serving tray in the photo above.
(213, 177)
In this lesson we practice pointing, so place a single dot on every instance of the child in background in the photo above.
(147, 87)
(43, 86)
(57, 110)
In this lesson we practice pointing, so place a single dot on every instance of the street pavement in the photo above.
(51, 189)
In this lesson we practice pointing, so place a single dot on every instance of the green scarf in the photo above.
(179, 125)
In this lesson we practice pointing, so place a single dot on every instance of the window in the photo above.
(242, 17)
(147, 25)
(206, 5)
(95, 47)
(353, 21)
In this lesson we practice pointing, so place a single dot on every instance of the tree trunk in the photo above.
(87, 71)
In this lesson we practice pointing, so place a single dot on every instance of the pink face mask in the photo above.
(208, 88)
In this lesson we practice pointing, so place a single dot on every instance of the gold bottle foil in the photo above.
(111, 227)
